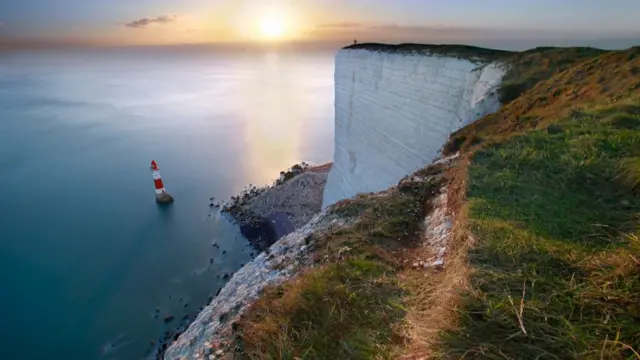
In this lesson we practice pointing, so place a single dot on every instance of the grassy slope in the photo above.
(532, 66)
(581, 76)
(554, 272)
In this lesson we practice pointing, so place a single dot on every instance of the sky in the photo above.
(123, 22)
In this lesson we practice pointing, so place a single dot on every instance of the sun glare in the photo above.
(272, 27)
(273, 22)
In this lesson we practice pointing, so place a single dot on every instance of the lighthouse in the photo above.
(162, 196)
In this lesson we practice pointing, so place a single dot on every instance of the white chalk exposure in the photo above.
(394, 111)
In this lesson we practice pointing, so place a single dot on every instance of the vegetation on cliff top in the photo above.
(352, 303)
(601, 78)
(530, 67)
(458, 51)
(544, 261)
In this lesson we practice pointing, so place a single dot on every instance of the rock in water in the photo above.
(164, 198)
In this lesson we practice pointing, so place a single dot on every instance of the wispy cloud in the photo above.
(341, 25)
(144, 22)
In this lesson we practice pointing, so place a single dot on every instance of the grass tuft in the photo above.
(630, 172)
(625, 121)
(510, 90)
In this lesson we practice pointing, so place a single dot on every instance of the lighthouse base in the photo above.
(164, 198)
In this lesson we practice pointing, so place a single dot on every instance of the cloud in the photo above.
(144, 22)
(341, 25)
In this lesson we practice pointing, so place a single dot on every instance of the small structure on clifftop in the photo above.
(162, 196)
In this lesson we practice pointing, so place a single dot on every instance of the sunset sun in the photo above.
(275, 21)
(272, 27)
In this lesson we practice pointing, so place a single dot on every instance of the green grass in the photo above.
(630, 172)
(354, 207)
(556, 271)
(349, 305)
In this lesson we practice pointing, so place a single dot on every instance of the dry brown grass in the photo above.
(630, 172)
(532, 66)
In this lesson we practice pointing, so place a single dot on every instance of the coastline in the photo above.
(211, 334)
(264, 215)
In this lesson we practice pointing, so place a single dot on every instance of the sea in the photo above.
(90, 265)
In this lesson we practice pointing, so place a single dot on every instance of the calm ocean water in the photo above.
(86, 255)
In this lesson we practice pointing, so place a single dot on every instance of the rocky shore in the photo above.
(266, 214)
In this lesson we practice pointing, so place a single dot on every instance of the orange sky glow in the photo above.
(130, 22)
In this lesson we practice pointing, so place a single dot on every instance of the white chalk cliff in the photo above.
(394, 111)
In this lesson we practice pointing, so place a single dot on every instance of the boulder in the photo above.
(164, 198)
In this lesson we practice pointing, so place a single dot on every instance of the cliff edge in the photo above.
(395, 107)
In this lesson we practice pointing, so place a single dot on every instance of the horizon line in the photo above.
(336, 44)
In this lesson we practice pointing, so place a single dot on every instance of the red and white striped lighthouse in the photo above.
(162, 196)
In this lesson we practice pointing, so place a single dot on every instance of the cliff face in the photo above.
(395, 110)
